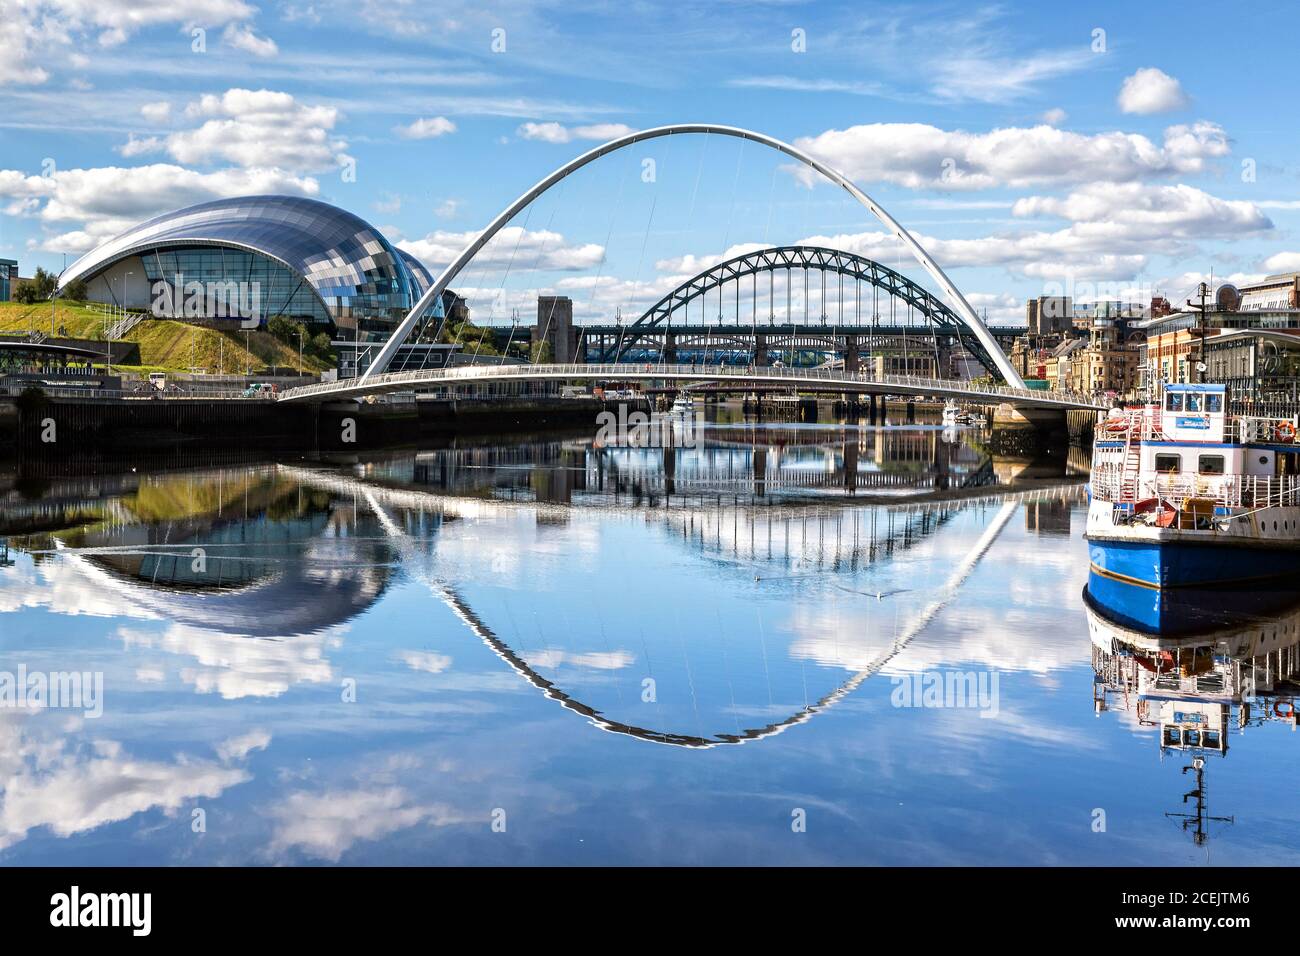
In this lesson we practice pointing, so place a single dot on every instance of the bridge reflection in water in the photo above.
(734, 462)
(292, 552)
(297, 555)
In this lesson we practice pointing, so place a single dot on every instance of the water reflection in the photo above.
(359, 660)
(1197, 689)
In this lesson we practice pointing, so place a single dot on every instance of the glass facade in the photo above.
(278, 290)
(363, 282)
(8, 276)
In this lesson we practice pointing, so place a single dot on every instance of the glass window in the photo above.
(1193, 402)
(1174, 401)
(1210, 465)
(1168, 464)
(1214, 402)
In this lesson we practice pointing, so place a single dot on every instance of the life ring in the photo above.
(1284, 431)
(1290, 709)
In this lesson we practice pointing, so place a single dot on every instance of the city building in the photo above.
(256, 257)
(1108, 364)
(8, 279)
(1049, 314)
(1259, 366)
(1274, 293)
(1056, 367)
(1180, 342)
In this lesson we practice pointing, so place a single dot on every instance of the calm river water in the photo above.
(795, 644)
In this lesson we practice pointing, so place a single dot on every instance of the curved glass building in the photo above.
(258, 256)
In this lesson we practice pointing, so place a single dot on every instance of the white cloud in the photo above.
(107, 200)
(797, 85)
(920, 156)
(552, 657)
(540, 249)
(426, 661)
(426, 128)
(986, 78)
(259, 128)
(159, 112)
(557, 133)
(1054, 117)
(237, 748)
(242, 37)
(1150, 90)
(34, 34)
(1139, 210)
(325, 825)
(72, 789)
(1283, 262)
(139, 147)
(447, 209)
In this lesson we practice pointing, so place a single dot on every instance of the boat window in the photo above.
(1173, 737)
(1174, 401)
(1214, 402)
(1193, 403)
(1210, 464)
(1168, 464)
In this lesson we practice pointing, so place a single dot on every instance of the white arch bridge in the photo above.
(961, 309)
(824, 380)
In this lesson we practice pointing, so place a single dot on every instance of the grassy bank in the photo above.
(165, 346)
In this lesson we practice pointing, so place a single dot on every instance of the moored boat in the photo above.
(954, 415)
(1185, 496)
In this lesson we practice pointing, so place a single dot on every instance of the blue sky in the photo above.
(1031, 148)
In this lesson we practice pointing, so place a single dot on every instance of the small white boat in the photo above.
(683, 406)
(954, 415)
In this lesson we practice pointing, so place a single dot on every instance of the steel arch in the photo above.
(836, 261)
(960, 305)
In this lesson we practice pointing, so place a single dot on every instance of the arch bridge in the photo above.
(753, 378)
(961, 308)
(912, 320)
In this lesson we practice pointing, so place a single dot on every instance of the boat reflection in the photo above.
(1199, 686)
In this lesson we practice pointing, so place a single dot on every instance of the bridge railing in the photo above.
(390, 381)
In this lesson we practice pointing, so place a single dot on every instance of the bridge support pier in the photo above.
(1028, 430)
(670, 348)
(875, 412)
(852, 360)
(760, 350)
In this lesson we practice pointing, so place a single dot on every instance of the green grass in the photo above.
(165, 346)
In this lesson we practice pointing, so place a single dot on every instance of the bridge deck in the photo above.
(805, 379)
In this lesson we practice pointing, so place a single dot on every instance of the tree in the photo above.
(36, 289)
(542, 353)
(75, 290)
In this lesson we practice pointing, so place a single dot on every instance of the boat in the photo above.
(1185, 498)
(683, 406)
(954, 415)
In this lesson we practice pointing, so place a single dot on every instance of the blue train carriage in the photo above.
(1186, 497)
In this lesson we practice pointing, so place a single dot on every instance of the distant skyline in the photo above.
(1031, 149)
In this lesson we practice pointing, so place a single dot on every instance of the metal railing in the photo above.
(1229, 491)
(143, 393)
(124, 325)
(793, 377)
